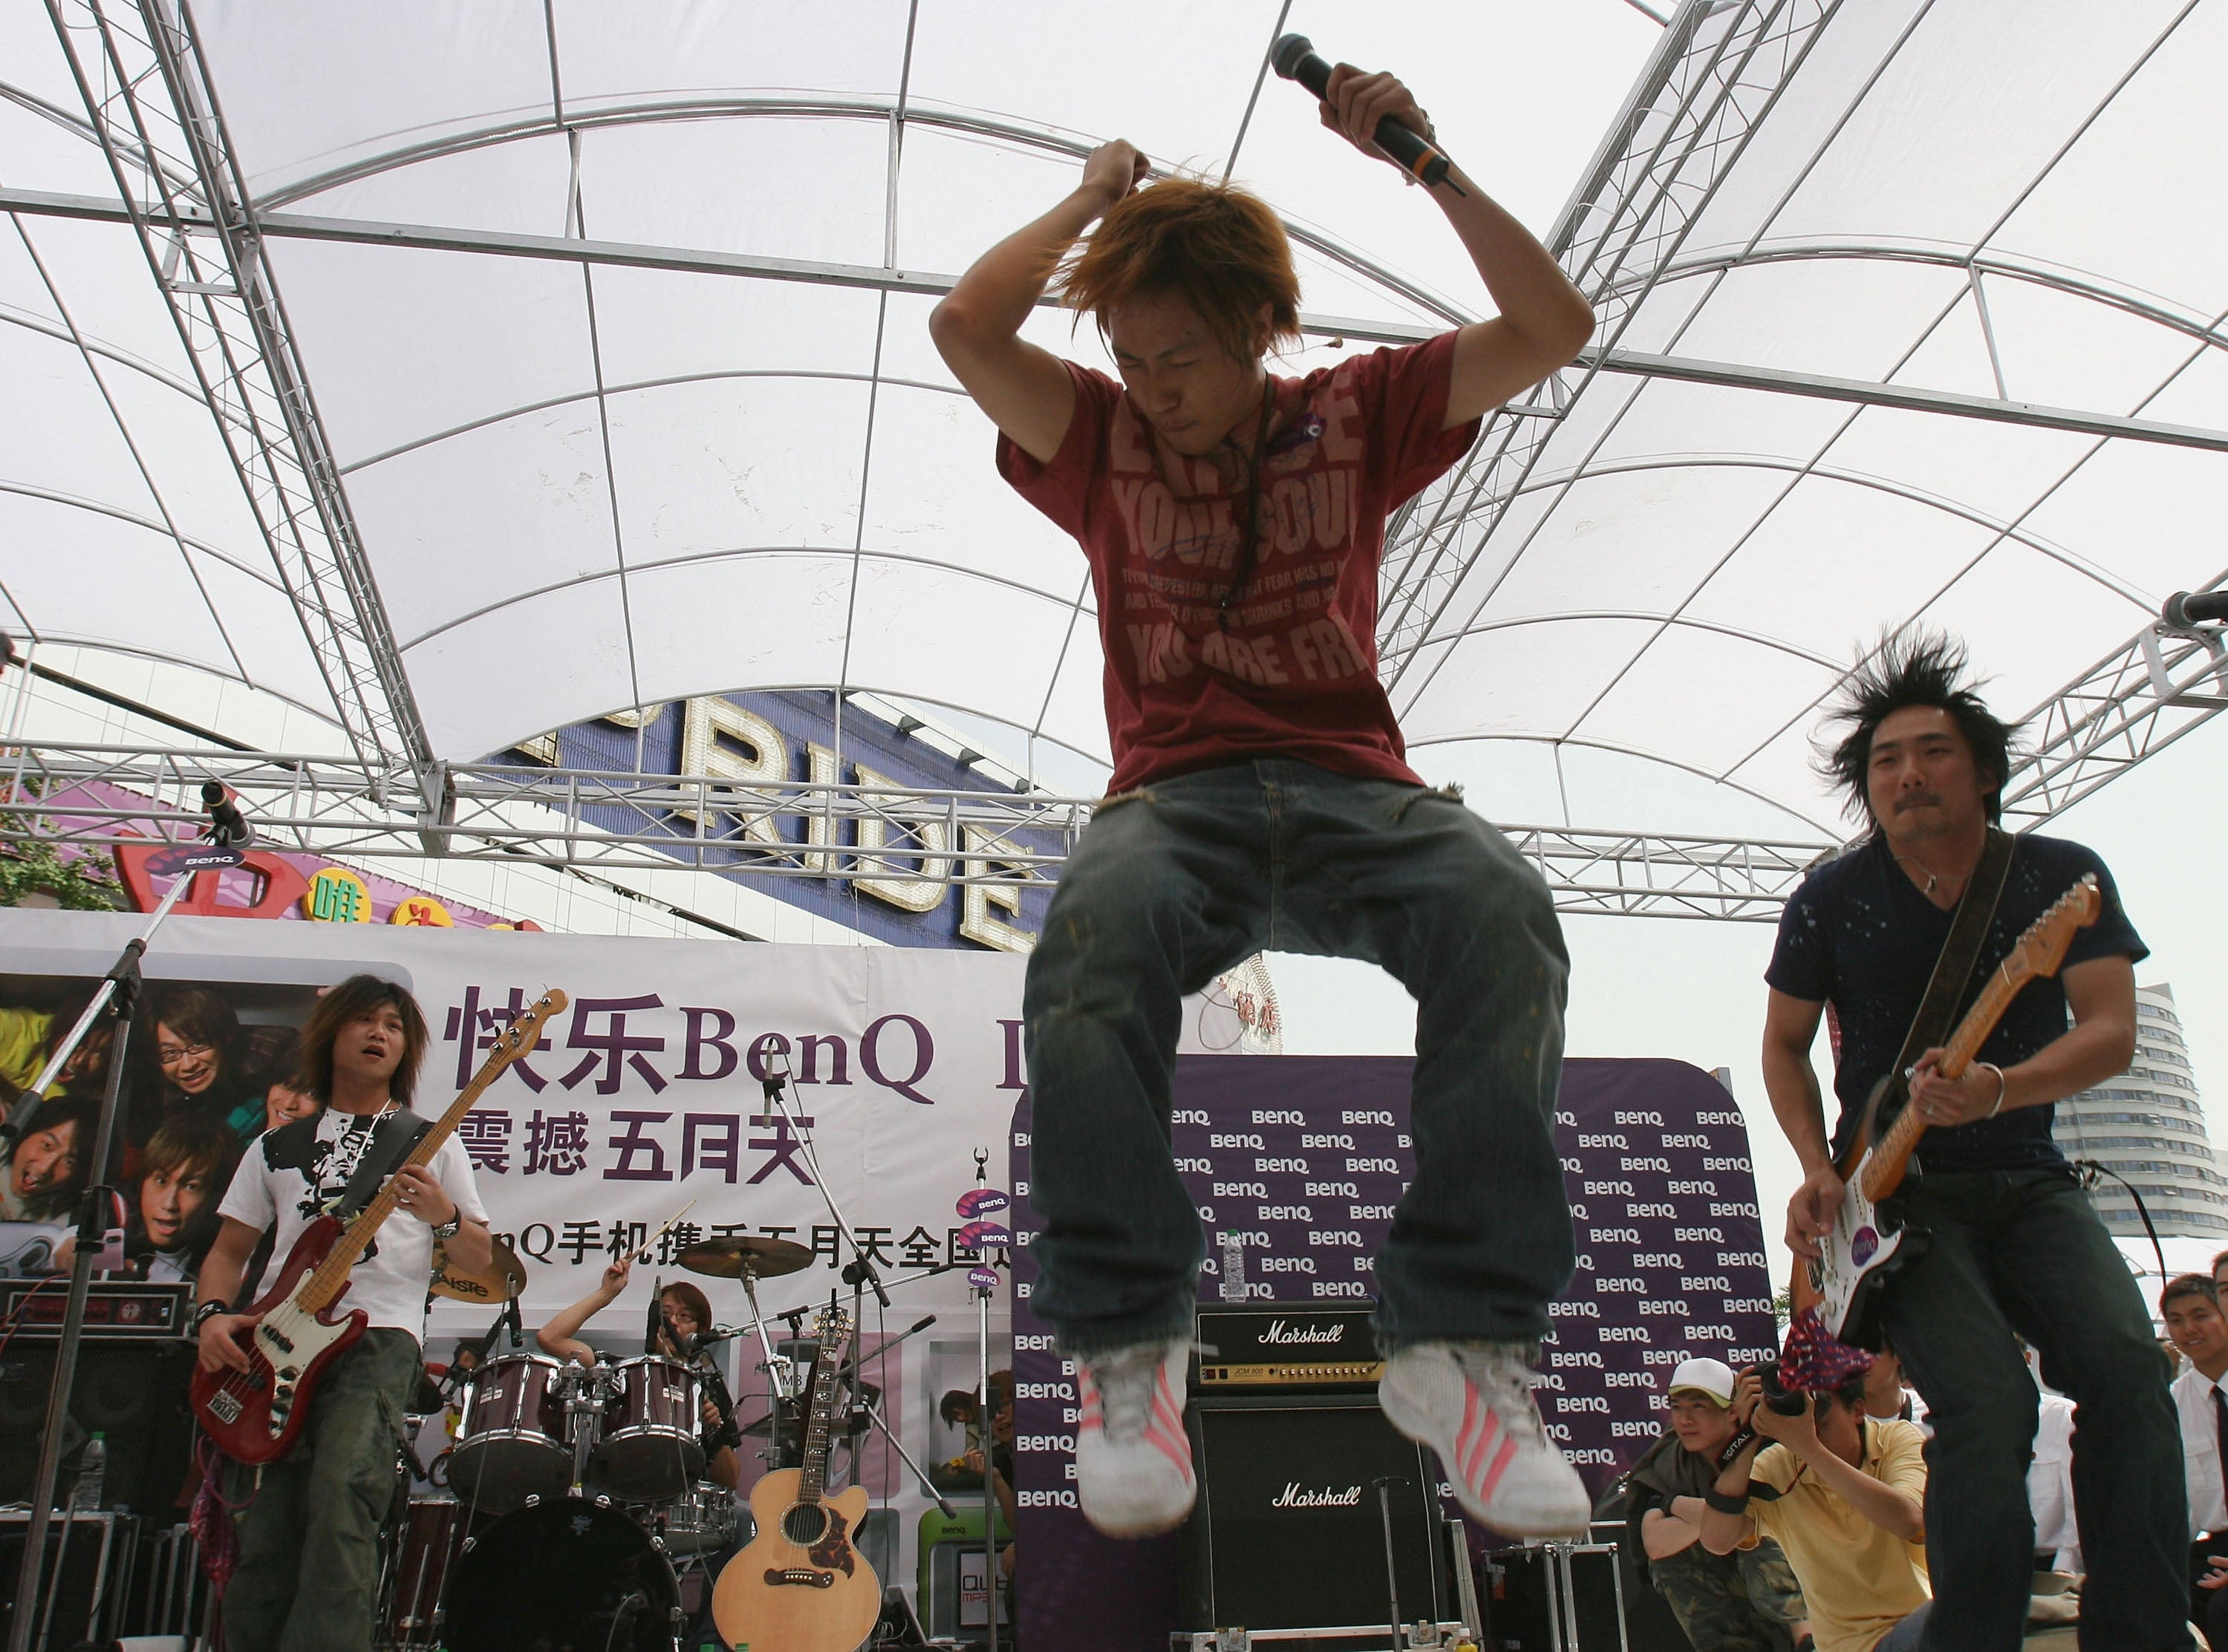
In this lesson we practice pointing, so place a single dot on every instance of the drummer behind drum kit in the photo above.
(578, 1506)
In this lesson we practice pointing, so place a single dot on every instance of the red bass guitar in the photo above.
(255, 1415)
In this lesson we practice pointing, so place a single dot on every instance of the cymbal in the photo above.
(729, 1258)
(504, 1277)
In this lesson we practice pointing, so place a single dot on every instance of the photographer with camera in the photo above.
(1746, 1601)
(1843, 1494)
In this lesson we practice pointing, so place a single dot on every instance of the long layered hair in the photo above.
(352, 1000)
(1221, 248)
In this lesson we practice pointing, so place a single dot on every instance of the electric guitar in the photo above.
(1862, 1250)
(255, 1415)
(800, 1585)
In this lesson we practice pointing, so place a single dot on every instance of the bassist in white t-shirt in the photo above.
(308, 1539)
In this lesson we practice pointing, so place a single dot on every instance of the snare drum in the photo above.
(510, 1439)
(650, 1451)
(417, 1559)
(701, 1522)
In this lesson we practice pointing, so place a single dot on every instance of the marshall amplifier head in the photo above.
(1318, 1350)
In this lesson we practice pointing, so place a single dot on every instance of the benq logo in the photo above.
(1550, 1379)
(1045, 1499)
(1261, 1118)
(1254, 1142)
(1288, 1264)
(1631, 1431)
(1638, 1211)
(1718, 1118)
(1195, 1167)
(1280, 1167)
(1574, 1166)
(1655, 1118)
(1577, 1310)
(1592, 1454)
(1044, 1391)
(1661, 1356)
(1724, 1164)
(1661, 1164)
(1698, 1235)
(1558, 1431)
(1614, 1235)
(1372, 1167)
(1365, 1264)
(1650, 1306)
(1705, 1282)
(1634, 1285)
(1659, 1258)
(1186, 1116)
(1045, 1442)
(1568, 1119)
(1620, 1333)
(1332, 1190)
(1570, 1402)
(1283, 1213)
(1334, 1236)
(1369, 1213)
(1711, 1333)
(1685, 1141)
(1710, 1187)
(1241, 1189)
(1343, 1142)
(1341, 1288)
(1627, 1380)
(1385, 1118)
(1617, 1142)
(1741, 1258)
(1733, 1211)
(1602, 1189)
(1586, 1358)
(1748, 1305)
(1027, 1342)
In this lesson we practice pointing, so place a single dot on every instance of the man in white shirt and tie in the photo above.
(2194, 1321)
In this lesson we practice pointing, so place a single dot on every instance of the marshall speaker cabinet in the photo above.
(1287, 1531)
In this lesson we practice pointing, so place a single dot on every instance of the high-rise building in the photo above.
(2148, 1125)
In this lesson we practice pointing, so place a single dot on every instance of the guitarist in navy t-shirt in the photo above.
(2014, 1248)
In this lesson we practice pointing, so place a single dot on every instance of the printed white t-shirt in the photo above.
(292, 1173)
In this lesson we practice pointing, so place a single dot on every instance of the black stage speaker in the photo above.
(1288, 1533)
(135, 1394)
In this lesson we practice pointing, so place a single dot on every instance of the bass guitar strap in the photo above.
(1953, 971)
(392, 1139)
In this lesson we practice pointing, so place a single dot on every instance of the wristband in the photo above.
(2002, 1086)
(449, 1228)
(1724, 1502)
(203, 1314)
(1734, 1447)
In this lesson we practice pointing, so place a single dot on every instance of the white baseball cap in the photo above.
(1711, 1377)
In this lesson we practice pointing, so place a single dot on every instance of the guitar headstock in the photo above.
(2042, 950)
(831, 1326)
(524, 1030)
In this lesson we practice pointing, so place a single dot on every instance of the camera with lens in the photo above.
(1787, 1403)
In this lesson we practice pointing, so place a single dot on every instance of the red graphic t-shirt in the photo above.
(1294, 673)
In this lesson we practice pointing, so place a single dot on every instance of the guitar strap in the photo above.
(1953, 970)
(392, 1139)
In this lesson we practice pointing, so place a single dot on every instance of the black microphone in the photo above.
(1293, 57)
(228, 828)
(2186, 609)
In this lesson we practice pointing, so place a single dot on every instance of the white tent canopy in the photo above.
(707, 446)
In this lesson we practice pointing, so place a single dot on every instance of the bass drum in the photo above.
(650, 1451)
(568, 1576)
(510, 1439)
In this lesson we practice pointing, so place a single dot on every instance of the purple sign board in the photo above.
(1296, 1163)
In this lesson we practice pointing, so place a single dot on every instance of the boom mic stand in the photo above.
(118, 995)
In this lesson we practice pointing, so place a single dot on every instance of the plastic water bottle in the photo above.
(92, 1471)
(1233, 1269)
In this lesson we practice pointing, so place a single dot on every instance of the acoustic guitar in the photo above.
(255, 1415)
(801, 1585)
(1863, 1250)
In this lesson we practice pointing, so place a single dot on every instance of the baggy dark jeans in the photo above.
(1186, 877)
(2020, 1250)
(308, 1577)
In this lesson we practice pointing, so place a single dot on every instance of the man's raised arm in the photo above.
(1791, 1026)
(976, 326)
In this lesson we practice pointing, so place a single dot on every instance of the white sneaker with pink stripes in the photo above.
(1471, 1402)
(1133, 1473)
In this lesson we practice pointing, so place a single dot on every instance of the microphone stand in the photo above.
(993, 1594)
(118, 996)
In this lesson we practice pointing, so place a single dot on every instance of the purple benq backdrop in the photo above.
(1303, 1158)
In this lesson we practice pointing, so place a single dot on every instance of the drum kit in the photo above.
(577, 1508)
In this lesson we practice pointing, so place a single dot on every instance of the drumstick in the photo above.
(651, 1244)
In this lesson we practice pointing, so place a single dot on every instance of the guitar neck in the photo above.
(1883, 1170)
(812, 1478)
(323, 1285)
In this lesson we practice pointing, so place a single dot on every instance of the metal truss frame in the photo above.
(155, 119)
(1704, 94)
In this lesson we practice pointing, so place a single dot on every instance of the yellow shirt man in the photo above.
(1859, 1580)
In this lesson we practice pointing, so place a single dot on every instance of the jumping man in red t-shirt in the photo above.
(1234, 523)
